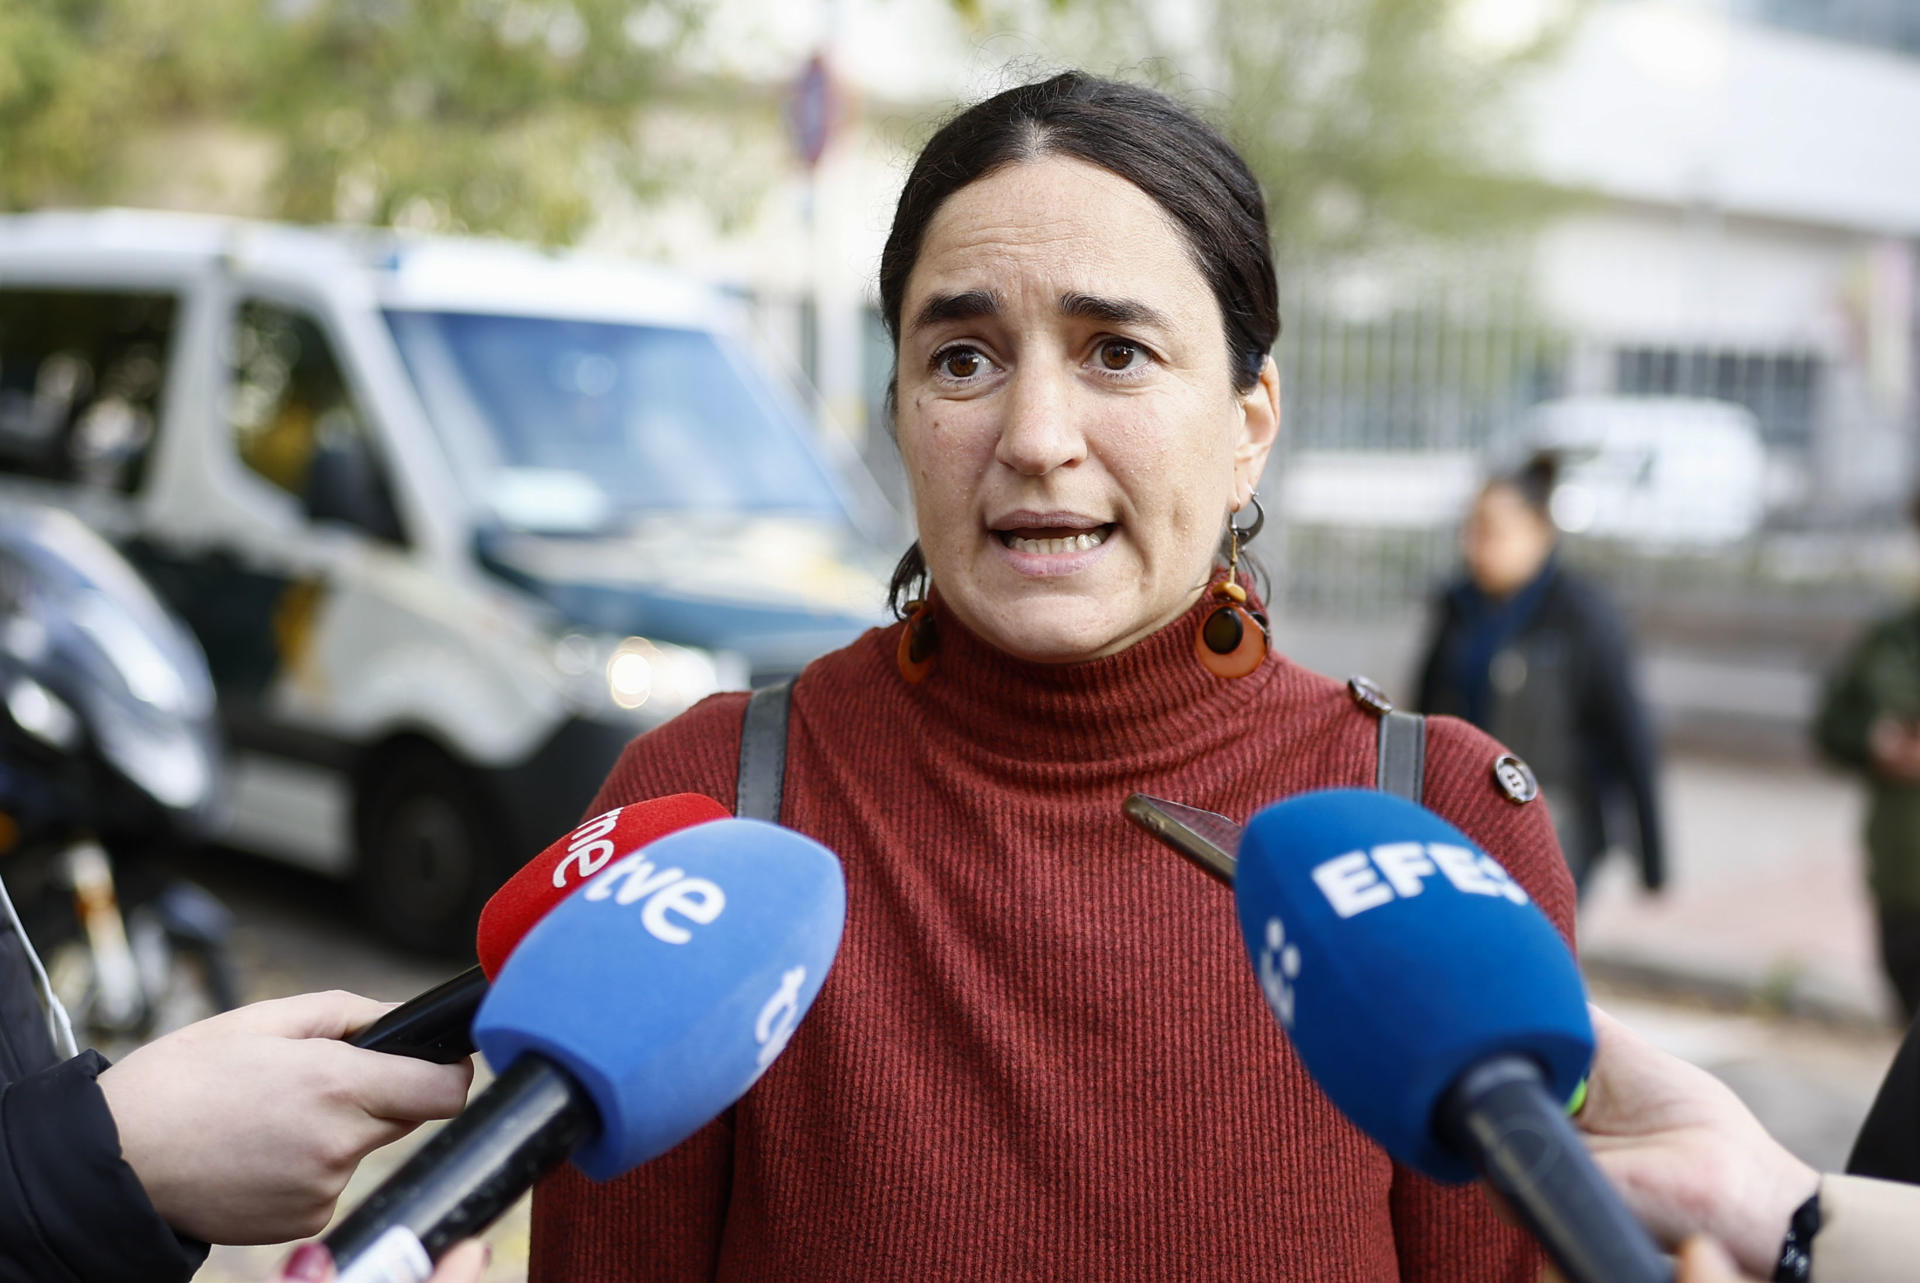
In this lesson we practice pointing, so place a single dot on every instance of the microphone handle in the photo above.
(436, 1025)
(458, 1183)
(1500, 1114)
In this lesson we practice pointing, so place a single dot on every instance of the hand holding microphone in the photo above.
(1689, 1157)
(633, 1014)
(244, 1127)
(1437, 1008)
(438, 1024)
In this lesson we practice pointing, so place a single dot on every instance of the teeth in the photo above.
(1046, 547)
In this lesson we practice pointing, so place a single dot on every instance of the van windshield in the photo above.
(658, 419)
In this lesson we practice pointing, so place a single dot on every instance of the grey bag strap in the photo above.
(1402, 763)
(763, 753)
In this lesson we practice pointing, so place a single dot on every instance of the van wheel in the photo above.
(430, 853)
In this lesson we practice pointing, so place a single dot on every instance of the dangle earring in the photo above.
(918, 640)
(1232, 640)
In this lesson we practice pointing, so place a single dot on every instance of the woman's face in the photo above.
(1504, 541)
(1067, 412)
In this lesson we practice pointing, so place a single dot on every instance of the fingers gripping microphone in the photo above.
(630, 1016)
(1437, 1007)
(437, 1025)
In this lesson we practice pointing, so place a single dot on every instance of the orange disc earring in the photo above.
(918, 640)
(1232, 640)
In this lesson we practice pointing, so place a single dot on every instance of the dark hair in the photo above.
(1533, 481)
(1136, 133)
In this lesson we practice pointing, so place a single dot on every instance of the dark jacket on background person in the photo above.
(1549, 673)
(71, 1210)
(1880, 678)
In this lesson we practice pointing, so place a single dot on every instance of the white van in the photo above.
(1661, 472)
(453, 520)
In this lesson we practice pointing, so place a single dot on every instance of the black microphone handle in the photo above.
(458, 1183)
(436, 1025)
(1501, 1116)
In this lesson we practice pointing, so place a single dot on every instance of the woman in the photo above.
(1040, 1053)
(1536, 657)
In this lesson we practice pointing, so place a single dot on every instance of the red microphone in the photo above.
(437, 1025)
(547, 879)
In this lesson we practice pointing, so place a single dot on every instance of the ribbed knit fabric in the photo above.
(1041, 1053)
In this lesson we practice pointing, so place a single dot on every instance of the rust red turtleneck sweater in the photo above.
(1040, 1053)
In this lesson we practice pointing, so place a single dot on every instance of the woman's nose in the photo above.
(1040, 431)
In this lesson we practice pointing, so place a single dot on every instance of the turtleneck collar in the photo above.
(1154, 697)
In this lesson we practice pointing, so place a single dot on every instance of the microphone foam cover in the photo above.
(1398, 955)
(669, 982)
(545, 881)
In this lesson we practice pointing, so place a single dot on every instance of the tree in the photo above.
(1368, 122)
(1365, 119)
(494, 115)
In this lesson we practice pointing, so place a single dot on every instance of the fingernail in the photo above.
(310, 1263)
(486, 1255)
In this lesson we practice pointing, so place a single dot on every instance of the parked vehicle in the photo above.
(453, 520)
(109, 765)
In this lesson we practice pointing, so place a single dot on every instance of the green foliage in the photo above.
(1368, 122)
(486, 115)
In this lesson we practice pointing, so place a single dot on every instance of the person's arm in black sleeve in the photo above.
(1619, 716)
(1888, 1146)
(71, 1210)
(1427, 691)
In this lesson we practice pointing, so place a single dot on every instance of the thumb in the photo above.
(1701, 1260)
(333, 1013)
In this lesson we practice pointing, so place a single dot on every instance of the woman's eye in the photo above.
(1118, 355)
(960, 363)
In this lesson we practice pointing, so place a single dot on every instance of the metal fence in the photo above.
(1400, 398)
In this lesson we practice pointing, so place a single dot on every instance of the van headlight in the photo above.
(633, 673)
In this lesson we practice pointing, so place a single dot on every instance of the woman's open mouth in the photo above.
(1051, 541)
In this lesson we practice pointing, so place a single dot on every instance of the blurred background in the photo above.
(483, 381)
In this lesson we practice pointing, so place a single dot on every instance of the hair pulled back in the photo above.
(1534, 482)
(1136, 133)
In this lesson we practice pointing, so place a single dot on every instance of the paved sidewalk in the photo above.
(1765, 904)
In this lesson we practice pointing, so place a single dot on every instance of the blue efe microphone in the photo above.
(635, 1012)
(1437, 1007)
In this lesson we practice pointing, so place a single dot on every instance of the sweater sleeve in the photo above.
(1444, 1233)
(71, 1210)
(665, 1220)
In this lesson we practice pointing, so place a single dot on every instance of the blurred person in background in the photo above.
(1538, 658)
(1036, 1055)
(1869, 722)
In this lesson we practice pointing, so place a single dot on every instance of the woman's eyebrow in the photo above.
(957, 307)
(1114, 311)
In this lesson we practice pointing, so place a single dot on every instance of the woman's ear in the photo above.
(1259, 425)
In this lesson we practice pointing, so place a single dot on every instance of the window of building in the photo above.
(81, 375)
(1781, 388)
(1885, 24)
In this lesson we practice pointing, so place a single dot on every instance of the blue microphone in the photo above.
(1437, 1007)
(635, 1012)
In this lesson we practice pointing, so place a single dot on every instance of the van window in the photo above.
(295, 422)
(661, 419)
(81, 374)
